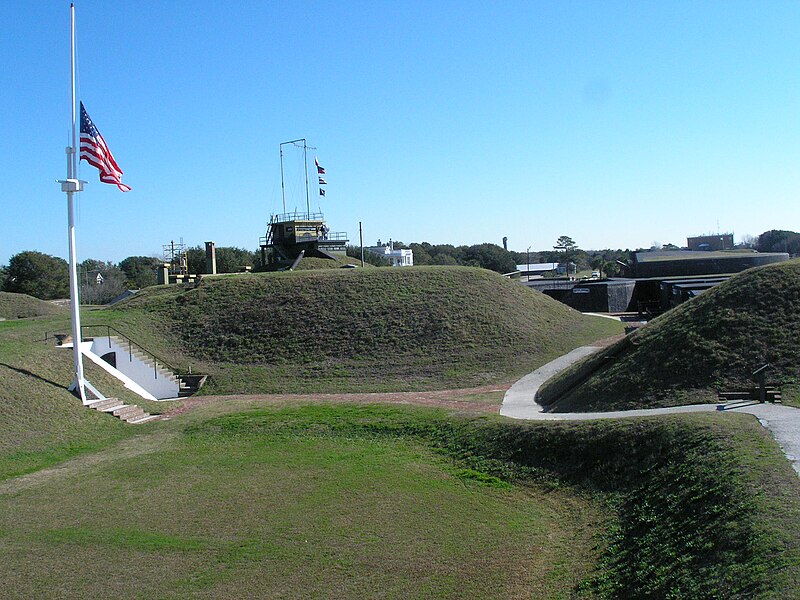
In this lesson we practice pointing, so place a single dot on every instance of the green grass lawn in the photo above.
(243, 499)
(212, 512)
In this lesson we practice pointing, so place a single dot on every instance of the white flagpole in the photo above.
(71, 186)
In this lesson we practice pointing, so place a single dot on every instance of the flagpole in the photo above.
(305, 163)
(71, 186)
(283, 187)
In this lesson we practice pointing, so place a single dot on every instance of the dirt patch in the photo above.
(486, 399)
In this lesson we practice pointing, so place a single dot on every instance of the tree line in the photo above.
(47, 277)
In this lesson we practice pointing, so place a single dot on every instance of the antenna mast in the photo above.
(305, 167)
(283, 187)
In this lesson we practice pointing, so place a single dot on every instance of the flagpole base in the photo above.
(77, 388)
(80, 391)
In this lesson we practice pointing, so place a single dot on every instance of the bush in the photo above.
(39, 275)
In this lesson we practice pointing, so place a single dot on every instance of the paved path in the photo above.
(518, 403)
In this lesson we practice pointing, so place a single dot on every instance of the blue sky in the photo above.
(617, 123)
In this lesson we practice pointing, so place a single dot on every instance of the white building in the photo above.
(537, 270)
(399, 258)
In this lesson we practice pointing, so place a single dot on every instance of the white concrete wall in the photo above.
(86, 350)
(160, 383)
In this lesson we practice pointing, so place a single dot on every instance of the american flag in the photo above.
(320, 170)
(96, 153)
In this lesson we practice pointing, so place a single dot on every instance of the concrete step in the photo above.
(125, 410)
(110, 409)
(145, 419)
(135, 415)
(104, 404)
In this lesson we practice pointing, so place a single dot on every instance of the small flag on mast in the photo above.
(322, 181)
(320, 170)
(321, 192)
(96, 153)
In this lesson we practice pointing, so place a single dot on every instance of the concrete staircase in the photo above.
(187, 384)
(130, 413)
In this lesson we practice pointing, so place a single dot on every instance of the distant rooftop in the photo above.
(537, 267)
(695, 254)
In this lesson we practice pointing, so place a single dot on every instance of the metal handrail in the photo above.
(336, 236)
(131, 344)
(296, 216)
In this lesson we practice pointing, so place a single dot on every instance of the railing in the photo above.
(760, 375)
(336, 236)
(131, 346)
(296, 216)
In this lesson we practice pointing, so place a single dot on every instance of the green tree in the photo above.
(565, 243)
(3, 275)
(229, 259)
(370, 258)
(39, 275)
(421, 254)
(567, 252)
(140, 271)
(489, 256)
(196, 260)
(779, 240)
(611, 268)
(599, 263)
(444, 259)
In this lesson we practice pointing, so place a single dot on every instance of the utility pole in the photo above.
(528, 265)
(361, 242)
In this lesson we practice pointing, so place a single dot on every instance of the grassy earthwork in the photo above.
(356, 330)
(21, 306)
(692, 352)
(276, 497)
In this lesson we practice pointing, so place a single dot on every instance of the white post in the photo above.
(71, 186)
(305, 164)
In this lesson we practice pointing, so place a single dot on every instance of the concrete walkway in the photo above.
(518, 403)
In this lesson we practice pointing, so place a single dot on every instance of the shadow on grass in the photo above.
(31, 374)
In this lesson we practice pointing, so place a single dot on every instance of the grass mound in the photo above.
(360, 330)
(21, 306)
(313, 263)
(688, 354)
(337, 500)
